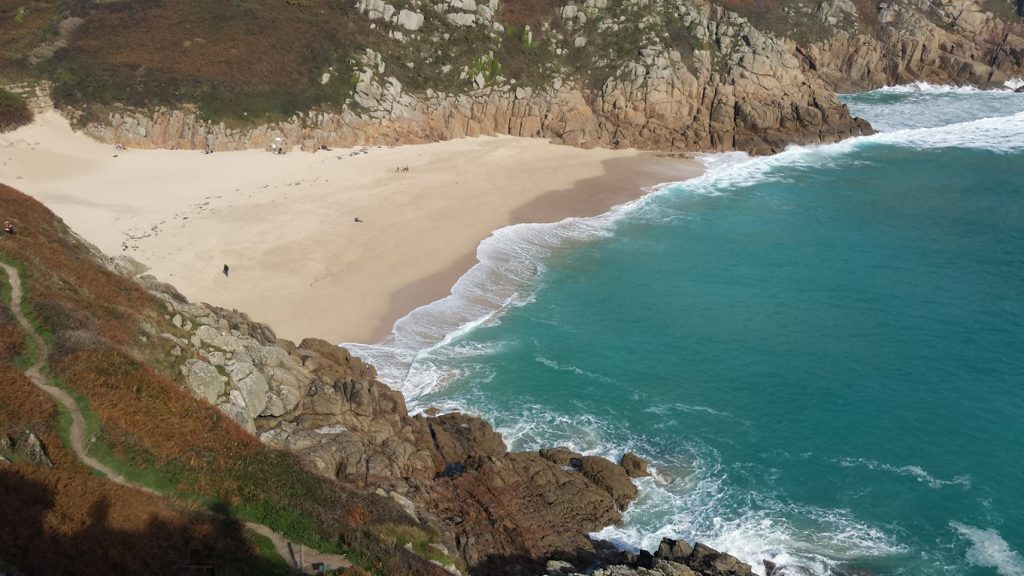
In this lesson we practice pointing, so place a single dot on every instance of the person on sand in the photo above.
(226, 270)
(358, 219)
(8, 227)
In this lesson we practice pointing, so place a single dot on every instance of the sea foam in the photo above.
(916, 472)
(510, 267)
(988, 549)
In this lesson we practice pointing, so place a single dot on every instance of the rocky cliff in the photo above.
(197, 403)
(501, 512)
(498, 509)
(655, 74)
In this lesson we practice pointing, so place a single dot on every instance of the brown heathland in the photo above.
(146, 424)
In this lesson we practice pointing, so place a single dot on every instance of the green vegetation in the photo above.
(242, 62)
(14, 111)
(791, 18)
(423, 542)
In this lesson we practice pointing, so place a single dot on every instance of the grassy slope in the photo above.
(149, 427)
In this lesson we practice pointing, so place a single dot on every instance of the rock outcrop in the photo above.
(673, 558)
(26, 446)
(943, 42)
(497, 509)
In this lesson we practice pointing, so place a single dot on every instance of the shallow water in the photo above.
(820, 352)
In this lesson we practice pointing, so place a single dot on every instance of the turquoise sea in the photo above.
(820, 352)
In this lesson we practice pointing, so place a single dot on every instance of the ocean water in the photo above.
(821, 353)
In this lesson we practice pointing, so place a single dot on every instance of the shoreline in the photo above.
(284, 224)
(624, 179)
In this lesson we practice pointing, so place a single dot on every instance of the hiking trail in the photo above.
(294, 554)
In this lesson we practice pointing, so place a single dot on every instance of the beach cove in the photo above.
(285, 225)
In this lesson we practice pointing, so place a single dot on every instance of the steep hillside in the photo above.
(666, 74)
(61, 518)
(204, 423)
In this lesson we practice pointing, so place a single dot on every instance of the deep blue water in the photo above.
(821, 353)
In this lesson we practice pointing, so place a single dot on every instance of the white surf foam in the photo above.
(753, 527)
(920, 474)
(663, 409)
(926, 88)
(509, 270)
(998, 134)
(989, 550)
(737, 170)
(555, 365)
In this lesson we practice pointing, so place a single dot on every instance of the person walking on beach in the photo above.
(226, 270)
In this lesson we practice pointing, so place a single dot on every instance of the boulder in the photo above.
(204, 379)
(611, 478)
(34, 450)
(673, 550)
(251, 384)
(668, 568)
(410, 20)
(635, 466)
(711, 562)
(466, 440)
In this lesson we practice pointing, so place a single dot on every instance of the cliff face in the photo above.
(654, 74)
(943, 42)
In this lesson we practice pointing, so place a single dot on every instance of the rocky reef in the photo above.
(652, 74)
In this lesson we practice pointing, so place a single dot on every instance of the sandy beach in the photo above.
(285, 224)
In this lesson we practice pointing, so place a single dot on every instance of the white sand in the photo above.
(284, 224)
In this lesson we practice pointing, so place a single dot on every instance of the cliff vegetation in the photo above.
(660, 74)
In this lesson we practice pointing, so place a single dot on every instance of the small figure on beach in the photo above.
(277, 146)
(118, 146)
(8, 227)
(226, 270)
(358, 219)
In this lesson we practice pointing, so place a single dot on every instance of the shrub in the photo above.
(14, 111)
